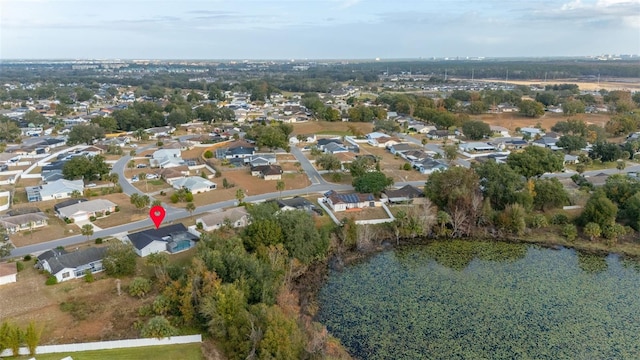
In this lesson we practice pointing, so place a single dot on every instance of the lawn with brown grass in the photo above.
(362, 214)
(608, 84)
(513, 121)
(390, 165)
(57, 229)
(128, 213)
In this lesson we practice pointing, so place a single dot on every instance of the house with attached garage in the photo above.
(261, 159)
(235, 217)
(430, 165)
(267, 172)
(83, 210)
(237, 150)
(72, 265)
(166, 158)
(193, 184)
(343, 202)
(59, 189)
(23, 222)
(171, 238)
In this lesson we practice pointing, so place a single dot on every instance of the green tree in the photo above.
(62, 109)
(592, 230)
(477, 107)
(262, 233)
(549, 194)
(361, 165)
(502, 185)
(571, 143)
(329, 162)
(9, 130)
(280, 186)
(191, 207)
(158, 327)
(301, 238)
(32, 337)
(140, 201)
(531, 108)
(570, 232)
(450, 152)
(605, 152)
(476, 130)
(600, 210)
(240, 196)
(84, 134)
(120, 259)
(87, 230)
(13, 339)
(159, 262)
(208, 154)
(372, 182)
(534, 161)
(573, 107)
(107, 123)
(621, 165)
(87, 168)
(35, 118)
(282, 338)
(5, 249)
(5, 329)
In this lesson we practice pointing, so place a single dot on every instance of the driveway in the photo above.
(312, 173)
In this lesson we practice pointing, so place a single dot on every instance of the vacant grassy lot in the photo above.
(513, 121)
(128, 213)
(390, 165)
(608, 84)
(363, 214)
(169, 352)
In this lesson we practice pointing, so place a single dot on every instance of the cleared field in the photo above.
(607, 84)
(513, 121)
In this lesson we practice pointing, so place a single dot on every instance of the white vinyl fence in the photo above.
(104, 345)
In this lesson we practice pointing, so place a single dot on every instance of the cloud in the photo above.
(344, 4)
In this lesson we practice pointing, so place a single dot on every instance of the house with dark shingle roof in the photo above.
(345, 201)
(404, 194)
(171, 238)
(67, 266)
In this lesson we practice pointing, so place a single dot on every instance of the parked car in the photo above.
(141, 166)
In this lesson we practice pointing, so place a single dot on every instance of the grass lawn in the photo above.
(164, 352)
(595, 165)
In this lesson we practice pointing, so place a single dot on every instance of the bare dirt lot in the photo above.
(96, 311)
(390, 165)
(607, 84)
(513, 121)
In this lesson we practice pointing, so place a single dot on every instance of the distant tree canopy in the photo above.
(87, 168)
(535, 161)
(85, 134)
(531, 108)
(9, 130)
(476, 130)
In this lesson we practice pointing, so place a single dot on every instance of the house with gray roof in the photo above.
(193, 184)
(83, 210)
(59, 189)
(235, 217)
(72, 265)
(22, 222)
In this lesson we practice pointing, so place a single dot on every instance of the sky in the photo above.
(316, 29)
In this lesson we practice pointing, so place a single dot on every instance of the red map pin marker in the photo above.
(157, 214)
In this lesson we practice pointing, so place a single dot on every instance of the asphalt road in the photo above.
(314, 175)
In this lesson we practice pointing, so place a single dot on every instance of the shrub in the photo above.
(51, 280)
(107, 213)
(162, 193)
(175, 198)
(406, 166)
(68, 221)
(188, 197)
(139, 287)
(336, 176)
(613, 232)
(539, 221)
(145, 310)
(117, 208)
(19, 266)
(27, 258)
(92, 218)
(559, 219)
(98, 241)
(208, 154)
(88, 276)
(158, 327)
(570, 232)
(31, 337)
(199, 225)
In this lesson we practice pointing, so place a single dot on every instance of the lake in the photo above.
(485, 300)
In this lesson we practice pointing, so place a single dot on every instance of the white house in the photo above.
(236, 217)
(531, 132)
(194, 184)
(82, 211)
(59, 189)
(499, 130)
(166, 158)
(20, 222)
(8, 273)
(67, 266)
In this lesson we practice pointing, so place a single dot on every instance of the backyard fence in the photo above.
(105, 345)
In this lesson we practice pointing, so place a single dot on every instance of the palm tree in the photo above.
(191, 207)
(240, 195)
(87, 230)
(143, 176)
(280, 187)
(114, 178)
(131, 164)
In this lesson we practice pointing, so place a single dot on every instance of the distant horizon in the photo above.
(316, 29)
(629, 56)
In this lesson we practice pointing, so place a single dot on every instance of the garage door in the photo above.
(78, 218)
